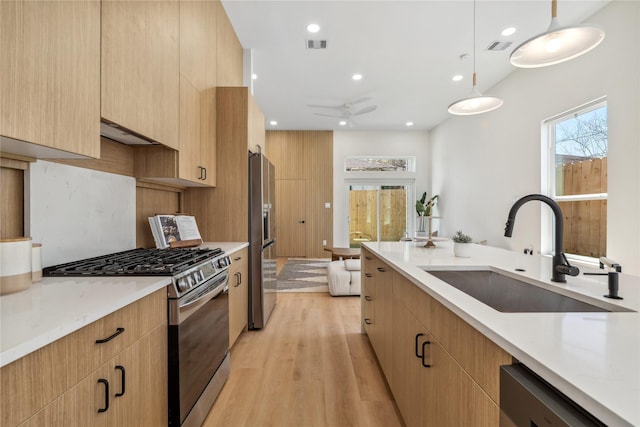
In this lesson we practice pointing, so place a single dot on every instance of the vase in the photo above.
(462, 250)
(421, 226)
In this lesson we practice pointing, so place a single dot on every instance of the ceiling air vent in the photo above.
(498, 46)
(316, 44)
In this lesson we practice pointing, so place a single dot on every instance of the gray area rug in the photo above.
(304, 275)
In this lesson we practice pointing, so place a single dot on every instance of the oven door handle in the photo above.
(178, 313)
(208, 296)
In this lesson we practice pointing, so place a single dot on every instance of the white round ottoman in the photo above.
(343, 277)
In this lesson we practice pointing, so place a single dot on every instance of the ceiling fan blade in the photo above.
(366, 110)
(333, 107)
(329, 115)
(345, 106)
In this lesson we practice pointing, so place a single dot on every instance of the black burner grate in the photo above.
(140, 262)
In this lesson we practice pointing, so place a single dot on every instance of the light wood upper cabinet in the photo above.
(197, 91)
(223, 212)
(256, 127)
(140, 67)
(194, 162)
(50, 75)
(229, 70)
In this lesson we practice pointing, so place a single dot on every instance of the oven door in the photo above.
(198, 343)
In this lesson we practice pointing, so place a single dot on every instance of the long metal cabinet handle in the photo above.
(106, 395)
(109, 338)
(122, 375)
(418, 355)
(424, 344)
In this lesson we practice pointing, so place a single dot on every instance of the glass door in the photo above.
(377, 213)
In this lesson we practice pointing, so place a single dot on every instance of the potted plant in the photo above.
(424, 209)
(462, 244)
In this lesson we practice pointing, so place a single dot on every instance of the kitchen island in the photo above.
(593, 358)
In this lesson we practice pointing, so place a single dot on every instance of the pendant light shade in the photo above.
(558, 44)
(475, 103)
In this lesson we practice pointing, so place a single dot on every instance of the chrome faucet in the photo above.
(560, 264)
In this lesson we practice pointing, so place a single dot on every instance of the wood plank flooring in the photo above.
(310, 366)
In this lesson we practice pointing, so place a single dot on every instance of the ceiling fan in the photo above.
(346, 111)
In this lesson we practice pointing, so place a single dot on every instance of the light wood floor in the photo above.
(310, 366)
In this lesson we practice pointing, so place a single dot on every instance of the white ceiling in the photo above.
(407, 52)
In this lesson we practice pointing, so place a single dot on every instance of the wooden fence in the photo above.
(585, 222)
(363, 215)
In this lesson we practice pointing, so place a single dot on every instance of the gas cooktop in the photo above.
(138, 262)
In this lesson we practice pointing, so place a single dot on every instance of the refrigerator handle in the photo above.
(271, 242)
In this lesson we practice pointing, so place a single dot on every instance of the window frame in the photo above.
(549, 175)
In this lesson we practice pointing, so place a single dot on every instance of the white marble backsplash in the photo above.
(78, 213)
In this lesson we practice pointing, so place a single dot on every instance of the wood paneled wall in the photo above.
(307, 155)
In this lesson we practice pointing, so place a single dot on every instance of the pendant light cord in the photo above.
(474, 43)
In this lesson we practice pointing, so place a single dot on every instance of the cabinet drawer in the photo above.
(96, 343)
(476, 354)
(414, 299)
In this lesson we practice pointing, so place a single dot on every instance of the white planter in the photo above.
(462, 250)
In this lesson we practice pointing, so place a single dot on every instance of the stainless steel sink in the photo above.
(509, 295)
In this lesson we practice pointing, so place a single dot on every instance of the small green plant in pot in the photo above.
(462, 244)
(424, 208)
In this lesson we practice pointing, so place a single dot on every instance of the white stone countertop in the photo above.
(593, 358)
(57, 306)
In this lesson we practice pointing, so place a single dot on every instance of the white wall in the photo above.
(354, 143)
(481, 164)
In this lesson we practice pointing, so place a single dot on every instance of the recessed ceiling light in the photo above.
(254, 76)
(273, 123)
(357, 77)
(313, 28)
(409, 123)
(343, 122)
(508, 31)
(457, 77)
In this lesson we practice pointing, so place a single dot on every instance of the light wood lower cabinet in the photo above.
(441, 371)
(59, 384)
(238, 294)
(377, 308)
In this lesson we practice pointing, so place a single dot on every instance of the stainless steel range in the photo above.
(198, 311)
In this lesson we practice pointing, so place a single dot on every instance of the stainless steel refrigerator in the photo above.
(262, 240)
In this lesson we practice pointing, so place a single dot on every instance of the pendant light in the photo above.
(476, 103)
(557, 44)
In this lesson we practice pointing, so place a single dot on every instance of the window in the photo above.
(379, 164)
(377, 213)
(578, 147)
